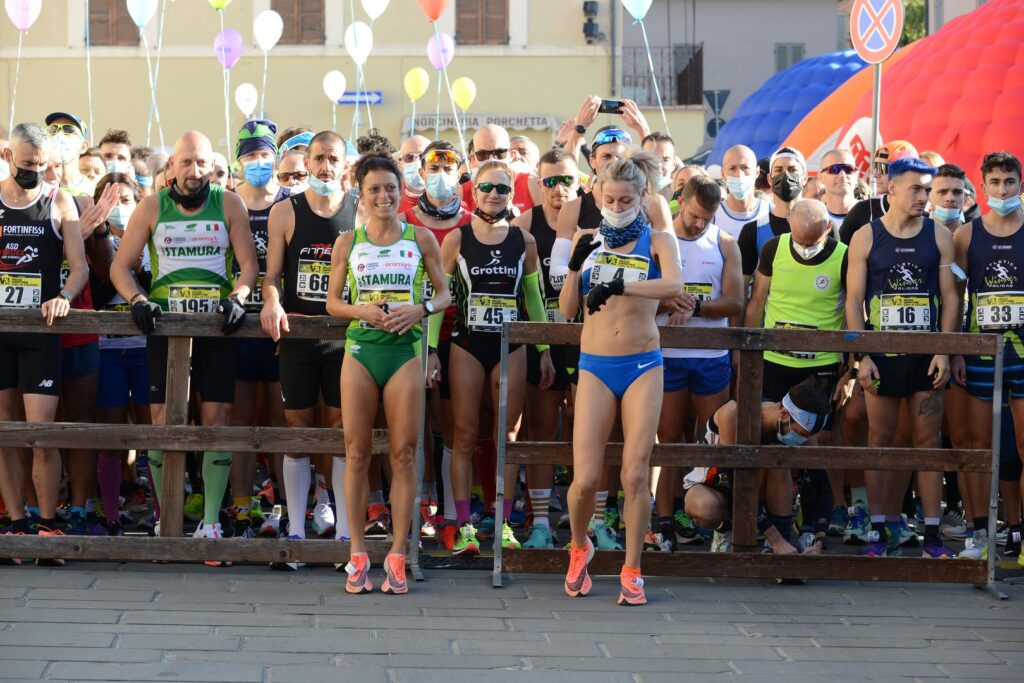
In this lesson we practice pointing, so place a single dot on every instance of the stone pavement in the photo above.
(143, 622)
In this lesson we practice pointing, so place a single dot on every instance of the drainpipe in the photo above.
(613, 10)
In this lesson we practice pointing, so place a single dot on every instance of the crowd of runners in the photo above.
(608, 228)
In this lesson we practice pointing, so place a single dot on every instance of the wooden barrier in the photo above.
(748, 457)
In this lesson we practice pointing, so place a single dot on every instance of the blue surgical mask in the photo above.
(790, 438)
(118, 166)
(944, 215)
(412, 178)
(740, 186)
(1004, 207)
(324, 189)
(119, 215)
(440, 186)
(258, 173)
(664, 181)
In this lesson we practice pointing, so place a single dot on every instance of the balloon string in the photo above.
(437, 114)
(156, 71)
(654, 78)
(152, 86)
(88, 64)
(14, 89)
(362, 84)
(263, 92)
(227, 108)
(412, 121)
(448, 85)
(334, 117)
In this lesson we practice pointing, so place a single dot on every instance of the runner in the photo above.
(787, 174)
(873, 208)
(663, 147)
(899, 272)
(838, 176)
(410, 156)
(491, 142)
(742, 205)
(495, 270)
(193, 231)
(625, 271)
(385, 264)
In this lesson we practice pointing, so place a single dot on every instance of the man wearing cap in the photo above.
(742, 205)
(67, 133)
(873, 208)
(787, 174)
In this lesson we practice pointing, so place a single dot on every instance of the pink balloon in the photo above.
(23, 13)
(440, 52)
(228, 46)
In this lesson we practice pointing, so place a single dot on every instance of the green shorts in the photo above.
(381, 360)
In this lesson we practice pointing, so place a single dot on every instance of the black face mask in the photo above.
(26, 179)
(786, 186)
(491, 218)
(189, 202)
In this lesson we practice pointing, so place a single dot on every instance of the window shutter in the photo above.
(289, 11)
(689, 64)
(311, 22)
(469, 22)
(495, 22)
(125, 31)
(100, 22)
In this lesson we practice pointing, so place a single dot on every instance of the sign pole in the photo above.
(876, 110)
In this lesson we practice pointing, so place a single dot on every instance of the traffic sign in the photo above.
(364, 97)
(875, 28)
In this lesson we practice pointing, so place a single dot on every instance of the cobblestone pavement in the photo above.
(143, 622)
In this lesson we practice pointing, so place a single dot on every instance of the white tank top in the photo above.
(702, 262)
(733, 223)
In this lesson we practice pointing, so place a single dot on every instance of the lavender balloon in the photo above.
(228, 46)
(440, 50)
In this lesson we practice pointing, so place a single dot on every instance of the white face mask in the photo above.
(4, 170)
(69, 146)
(118, 166)
(740, 186)
(619, 219)
(411, 175)
(807, 253)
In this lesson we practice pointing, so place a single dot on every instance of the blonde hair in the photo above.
(639, 169)
(496, 165)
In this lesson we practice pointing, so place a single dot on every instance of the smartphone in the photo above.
(610, 107)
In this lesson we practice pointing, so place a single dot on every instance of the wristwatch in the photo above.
(237, 299)
(428, 307)
(67, 297)
(696, 308)
(581, 129)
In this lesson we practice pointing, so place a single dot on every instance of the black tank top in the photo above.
(488, 279)
(544, 235)
(307, 258)
(31, 251)
(590, 215)
(258, 226)
(995, 282)
(903, 280)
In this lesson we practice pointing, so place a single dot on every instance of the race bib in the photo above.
(311, 283)
(701, 291)
(905, 312)
(21, 290)
(255, 301)
(554, 314)
(401, 297)
(488, 312)
(801, 355)
(193, 298)
(610, 266)
(65, 271)
(1000, 310)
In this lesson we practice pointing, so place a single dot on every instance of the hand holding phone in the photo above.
(610, 107)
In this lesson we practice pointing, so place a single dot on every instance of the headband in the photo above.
(811, 422)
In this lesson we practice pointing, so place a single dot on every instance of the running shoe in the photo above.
(892, 537)
(256, 512)
(955, 532)
(721, 541)
(271, 526)
(1020, 559)
(446, 537)
(114, 529)
(858, 525)
(194, 507)
(49, 561)
(267, 492)
(874, 546)
(540, 537)
(427, 529)
(975, 548)
(1002, 534)
(211, 531)
(577, 580)
(242, 528)
(76, 523)
(908, 536)
(1013, 542)
(563, 521)
(612, 519)
(427, 514)
(837, 521)
(485, 527)
(358, 570)
(394, 579)
(605, 537)
(323, 520)
(508, 538)
(377, 520)
(135, 500)
(685, 530)
(631, 590)
(936, 551)
(465, 541)
(666, 535)
(288, 566)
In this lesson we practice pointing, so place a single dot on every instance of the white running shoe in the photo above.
(212, 531)
(323, 520)
(271, 526)
(721, 542)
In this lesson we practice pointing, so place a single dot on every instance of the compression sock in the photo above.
(461, 512)
(446, 484)
(599, 505)
(216, 472)
(341, 527)
(109, 471)
(931, 529)
(156, 473)
(320, 490)
(506, 508)
(878, 524)
(296, 485)
(540, 499)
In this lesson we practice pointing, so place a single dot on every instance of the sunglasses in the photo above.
(66, 128)
(485, 154)
(487, 188)
(410, 157)
(881, 168)
(556, 180)
(836, 169)
(443, 156)
(611, 135)
(294, 175)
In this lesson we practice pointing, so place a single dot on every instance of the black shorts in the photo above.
(444, 354)
(779, 379)
(212, 374)
(903, 375)
(485, 347)
(80, 361)
(566, 360)
(311, 368)
(33, 359)
(257, 360)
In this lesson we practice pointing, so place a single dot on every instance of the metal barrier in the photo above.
(748, 457)
(176, 437)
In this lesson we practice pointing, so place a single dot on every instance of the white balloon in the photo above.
(267, 27)
(358, 42)
(375, 8)
(246, 98)
(334, 85)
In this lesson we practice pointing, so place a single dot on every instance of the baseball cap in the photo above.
(786, 153)
(64, 115)
(895, 149)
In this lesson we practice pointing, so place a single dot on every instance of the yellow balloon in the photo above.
(416, 83)
(219, 4)
(464, 92)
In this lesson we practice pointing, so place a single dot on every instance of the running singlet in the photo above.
(604, 265)
(590, 215)
(995, 284)
(117, 303)
(733, 223)
(903, 280)
(191, 256)
(307, 259)
(545, 235)
(702, 261)
(31, 250)
(488, 280)
(258, 226)
(448, 321)
(83, 301)
(393, 274)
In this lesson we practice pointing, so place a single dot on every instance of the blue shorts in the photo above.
(79, 361)
(257, 360)
(123, 376)
(619, 372)
(980, 375)
(702, 376)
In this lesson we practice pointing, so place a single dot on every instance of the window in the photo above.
(689, 68)
(679, 69)
(787, 54)
(303, 21)
(481, 22)
(110, 24)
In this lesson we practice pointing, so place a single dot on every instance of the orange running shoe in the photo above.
(577, 580)
(394, 581)
(50, 561)
(631, 588)
(446, 537)
(358, 569)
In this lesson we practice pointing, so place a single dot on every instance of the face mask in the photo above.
(119, 216)
(440, 186)
(5, 172)
(26, 179)
(664, 181)
(118, 166)
(740, 186)
(807, 253)
(68, 146)
(324, 189)
(300, 188)
(786, 186)
(1004, 207)
(145, 181)
(619, 219)
(258, 173)
(944, 215)
(790, 438)
(411, 176)
(472, 174)
(189, 202)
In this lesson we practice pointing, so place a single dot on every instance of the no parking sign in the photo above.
(875, 28)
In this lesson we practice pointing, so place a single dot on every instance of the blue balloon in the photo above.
(767, 117)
